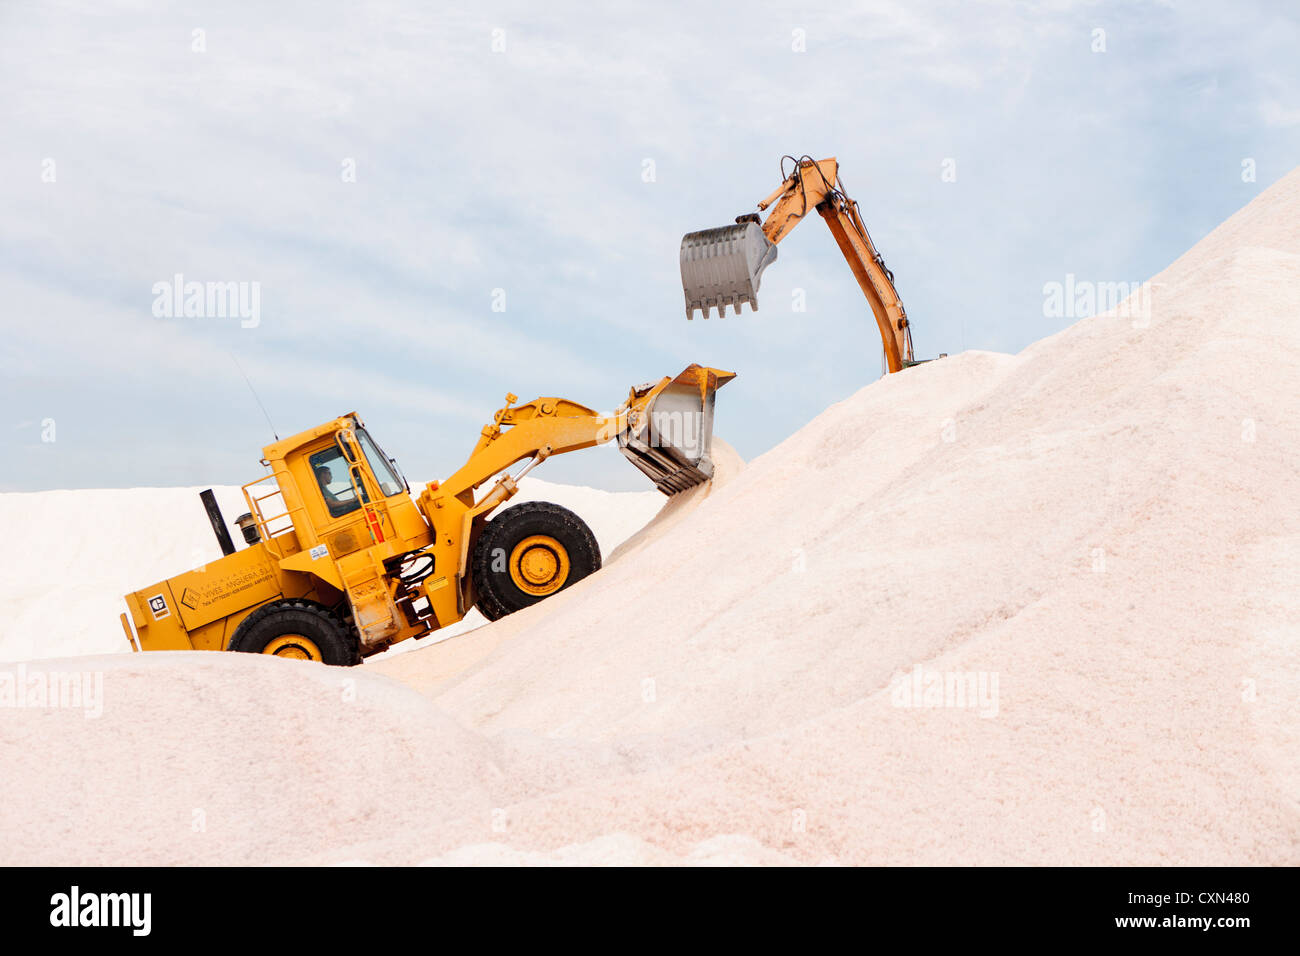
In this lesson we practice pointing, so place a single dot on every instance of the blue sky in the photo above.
(523, 168)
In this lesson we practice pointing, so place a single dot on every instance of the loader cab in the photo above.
(344, 484)
(344, 472)
(350, 493)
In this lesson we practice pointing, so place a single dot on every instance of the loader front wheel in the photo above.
(297, 630)
(529, 552)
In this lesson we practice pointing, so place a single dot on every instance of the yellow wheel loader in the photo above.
(341, 562)
(722, 267)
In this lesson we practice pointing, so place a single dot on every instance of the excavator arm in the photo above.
(722, 267)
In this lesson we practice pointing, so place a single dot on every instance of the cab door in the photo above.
(346, 507)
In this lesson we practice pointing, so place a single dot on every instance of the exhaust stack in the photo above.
(218, 522)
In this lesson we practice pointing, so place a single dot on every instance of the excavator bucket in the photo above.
(671, 439)
(721, 267)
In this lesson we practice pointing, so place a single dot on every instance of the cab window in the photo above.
(389, 483)
(330, 469)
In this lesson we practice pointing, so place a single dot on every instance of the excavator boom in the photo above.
(722, 267)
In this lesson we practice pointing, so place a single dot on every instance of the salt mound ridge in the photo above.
(1100, 533)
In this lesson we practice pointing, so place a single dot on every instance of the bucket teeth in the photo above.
(722, 267)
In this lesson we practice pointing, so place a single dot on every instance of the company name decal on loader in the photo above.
(318, 552)
(197, 598)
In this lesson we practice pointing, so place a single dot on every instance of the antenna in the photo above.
(254, 391)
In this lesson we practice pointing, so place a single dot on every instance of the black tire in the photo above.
(497, 590)
(317, 623)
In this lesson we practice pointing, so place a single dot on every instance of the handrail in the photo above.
(266, 523)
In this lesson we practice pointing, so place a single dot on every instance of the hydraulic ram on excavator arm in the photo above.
(721, 267)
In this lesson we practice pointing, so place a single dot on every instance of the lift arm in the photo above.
(664, 428)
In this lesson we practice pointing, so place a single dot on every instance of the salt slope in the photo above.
(69, 556)
(233, 759)
(1106, 522)
(224, 759)
(772, 584)
(457, 656)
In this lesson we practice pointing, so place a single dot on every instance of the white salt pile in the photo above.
(1030, 609)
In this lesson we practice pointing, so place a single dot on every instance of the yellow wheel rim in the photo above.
(294, 646)
(539, 565)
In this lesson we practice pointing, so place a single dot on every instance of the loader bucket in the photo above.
(672, 439)
(721, 267)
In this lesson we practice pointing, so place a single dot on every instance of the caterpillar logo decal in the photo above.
(158, 604)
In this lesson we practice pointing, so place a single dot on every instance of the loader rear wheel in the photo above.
(529, 552)
(298, 630)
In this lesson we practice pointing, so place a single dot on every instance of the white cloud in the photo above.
(1274, 113)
